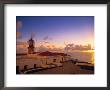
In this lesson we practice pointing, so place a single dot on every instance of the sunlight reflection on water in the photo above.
(86, 56)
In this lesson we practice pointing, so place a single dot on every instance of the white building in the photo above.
(41, 59)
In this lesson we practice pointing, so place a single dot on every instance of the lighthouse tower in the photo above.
(31, 46)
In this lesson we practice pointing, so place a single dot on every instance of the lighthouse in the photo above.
(31, 46)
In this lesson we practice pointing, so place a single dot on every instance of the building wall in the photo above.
(30, 60)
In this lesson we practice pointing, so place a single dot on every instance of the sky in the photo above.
(56, 30)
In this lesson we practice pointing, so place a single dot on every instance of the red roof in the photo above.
(47, 53)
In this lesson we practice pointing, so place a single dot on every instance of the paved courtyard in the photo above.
(67, 68)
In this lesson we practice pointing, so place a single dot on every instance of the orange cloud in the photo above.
(21, 45)
(18, 25)
(18, 34)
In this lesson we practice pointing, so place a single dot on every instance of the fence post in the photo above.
(17, 70)
(35, 66)
(25, 67)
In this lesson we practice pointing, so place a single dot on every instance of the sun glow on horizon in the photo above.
(53, 31)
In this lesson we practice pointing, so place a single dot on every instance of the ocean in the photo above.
(84, 55)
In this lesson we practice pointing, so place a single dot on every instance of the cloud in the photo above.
(18, 25)
(47, 38)
(18, 34)
(69, 46)
(42, 48)
(73, 46)
(46, 42)
(21, 45)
